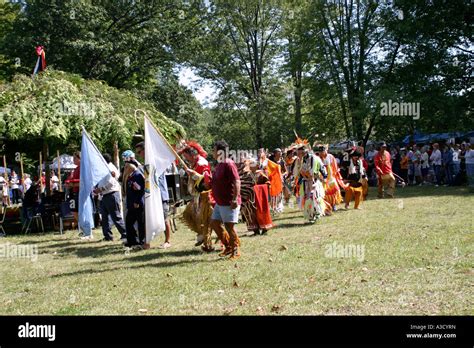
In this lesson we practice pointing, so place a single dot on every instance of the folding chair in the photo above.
(33, 215)
(65, 214)
(2, 220)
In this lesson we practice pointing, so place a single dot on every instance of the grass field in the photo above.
(413, 255)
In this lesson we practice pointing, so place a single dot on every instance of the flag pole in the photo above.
(166, 141)
(41, 170)
(59, 171)
(22, 173)
(6, 178)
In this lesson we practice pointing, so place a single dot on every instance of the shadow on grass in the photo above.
(292, 225)
(29, 235)
(160, 253)
(423, 191)
(124, 266)
(93, 251)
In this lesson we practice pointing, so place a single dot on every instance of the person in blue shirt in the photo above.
(140, 150)
(447, 164)
(135, 207)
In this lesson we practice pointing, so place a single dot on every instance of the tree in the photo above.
(236, 52)
(53, 106)
(121, 42)
(8, 14)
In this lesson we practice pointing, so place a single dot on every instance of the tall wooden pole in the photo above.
(41, 171)
(59, 172)
(22, 173)
(5, 167)
(46, 168)
(6, 178)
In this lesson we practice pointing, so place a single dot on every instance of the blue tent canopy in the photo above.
(426, 138)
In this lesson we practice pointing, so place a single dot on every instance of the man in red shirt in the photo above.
(225, 184)
(383, 168)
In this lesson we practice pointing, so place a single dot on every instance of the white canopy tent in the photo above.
(2, 170)
(66, 162)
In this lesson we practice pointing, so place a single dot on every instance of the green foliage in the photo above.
(315, 66)
(8, 14)
(120, 42)
(54, 105)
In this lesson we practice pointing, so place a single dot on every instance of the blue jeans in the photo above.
(437, 170)
(455, 169)
(449, 174)
(470, 174)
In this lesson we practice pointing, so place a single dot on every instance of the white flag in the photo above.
(158, 157)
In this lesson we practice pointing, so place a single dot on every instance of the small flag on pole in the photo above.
(94, 169)
(41, 61)
(158, 157)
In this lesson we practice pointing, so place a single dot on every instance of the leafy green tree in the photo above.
(8, 14)
(236, 51)
(121, 42)
(53, 106)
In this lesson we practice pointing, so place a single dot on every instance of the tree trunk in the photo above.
(258, 126)
(298, 121)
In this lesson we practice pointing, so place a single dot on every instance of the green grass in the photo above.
(418, 252)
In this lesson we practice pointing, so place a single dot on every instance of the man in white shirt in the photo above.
(110, 204)
(469, 156)
(456, 165)
(425, 164)
(27, 182)
(14, 184)
(54, 182)
(436, 158)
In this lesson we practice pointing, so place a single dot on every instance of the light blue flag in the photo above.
(93, 170)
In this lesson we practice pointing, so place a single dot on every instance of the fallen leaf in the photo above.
(270, 259)
(142, 310)
(242, 302)
(363, 281)
(236, 285)
(311, 280)
(220, 291)
(276, 308)
(259, 309)
(283, 248)
(229, 310)
(365, 269)
(169, 275)
(236, 265)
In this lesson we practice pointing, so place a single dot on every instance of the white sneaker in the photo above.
(90, 237)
